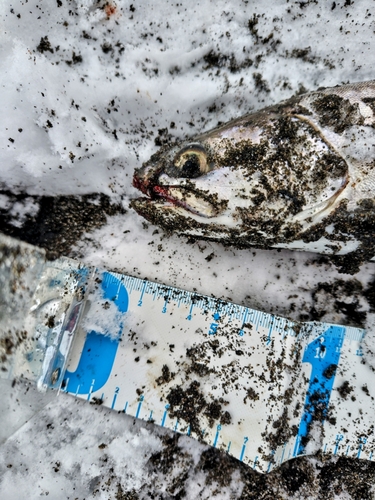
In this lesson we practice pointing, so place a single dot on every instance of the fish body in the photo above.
(297, 175)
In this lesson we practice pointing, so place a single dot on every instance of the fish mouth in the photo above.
(183, 197)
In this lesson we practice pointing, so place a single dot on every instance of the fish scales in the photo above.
(297, 175)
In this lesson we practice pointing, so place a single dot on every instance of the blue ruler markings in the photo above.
(91, 389)
(362, 441)
(330, 340)
(140, 301)
(339, 438)
(243, 449)
(164, 415)
(323, 353)
(271, 462)
(353, 333)
(166, 302)
(283, 453)
(117, 390)
(245, 314)
(270, 328)
(140, 401)
(208, 303)
(189, 316)
(216, 439)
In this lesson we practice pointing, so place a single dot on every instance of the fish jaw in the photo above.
(175, 218)
(183, 196)
(198, 210)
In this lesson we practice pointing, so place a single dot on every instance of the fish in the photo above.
(298, 175)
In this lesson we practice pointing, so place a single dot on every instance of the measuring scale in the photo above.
(257, 386)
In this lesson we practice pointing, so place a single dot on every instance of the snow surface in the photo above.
(86, 87)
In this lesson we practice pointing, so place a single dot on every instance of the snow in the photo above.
(86, 88)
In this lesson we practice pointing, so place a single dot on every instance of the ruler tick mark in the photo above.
(91, 389)
(141, 398)
(218, 429)
(189, 316)
(165, 415)
(270, 462)
(117, 390)
(339, 438)
(140, 301)
(245, 440)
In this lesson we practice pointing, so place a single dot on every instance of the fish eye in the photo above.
(191, 162)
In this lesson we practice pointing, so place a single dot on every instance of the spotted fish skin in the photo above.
(297, 175)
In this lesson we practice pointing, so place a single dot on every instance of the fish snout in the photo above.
(146, 178)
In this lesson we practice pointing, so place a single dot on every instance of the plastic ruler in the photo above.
(257, 386)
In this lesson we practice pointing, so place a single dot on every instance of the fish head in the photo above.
(259, 180)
